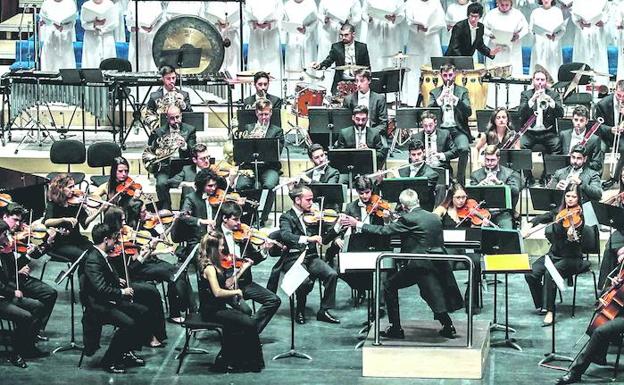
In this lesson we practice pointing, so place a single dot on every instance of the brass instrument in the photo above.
(173, 98)
(165, 148)
(615, 148)
(258, 132)
(543, 100)
(614, 200)
(447, 98)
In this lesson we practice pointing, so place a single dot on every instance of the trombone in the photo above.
(615, 149)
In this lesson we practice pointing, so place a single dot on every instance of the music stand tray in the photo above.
(353, 161)
(460, 62)
(334, 193)
(410, 117)
(554, 162)
(391, 188)
(495, 197)
(519, 160)
(185, 57)
(261, 149)
(608, 215)
(387, 81)
(328, 120)
(545, 199)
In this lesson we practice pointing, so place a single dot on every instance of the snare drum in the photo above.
(307, 95)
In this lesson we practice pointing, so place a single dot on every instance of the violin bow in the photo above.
(222, 200)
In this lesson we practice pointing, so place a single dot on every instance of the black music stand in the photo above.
(495, 197)
(408, 119)
(387, 81)
(327, 121)
(391, 189)
(353, 162)
(257, 151)
(195, 119)
(554, 162)
(250, 211)
(545, 199)
(246, 117)
(460, 62)
(519, 160)
(334, 193)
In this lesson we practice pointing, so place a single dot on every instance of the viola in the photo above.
(164, 216)
(220, 196)
(376, 206)
(609, 304)
(128, 187)
(570, 217)
(329, 216)
(129, 248)
(472, 210)
(5, 199)
(255, 236)
(230, 260)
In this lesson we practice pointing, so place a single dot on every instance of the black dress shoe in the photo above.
(396, 333)
(18, 361)
(325, 316)
(607, 185)
(569, 378)
(116, 368)
(300, 318)
(131, 359)
(41, 337)
(448, 331)
(34, 352)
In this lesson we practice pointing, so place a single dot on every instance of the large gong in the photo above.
(186, 35)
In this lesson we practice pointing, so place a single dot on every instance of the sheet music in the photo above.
(503, 37)
(90, 11)
(554, 273)
(149, 16)
(341, 14)
(60, 14)
(454, 236)
(549, 28)
(291, 27)
(295, 276)
(380, 13)
(423, 18)
(589, 11)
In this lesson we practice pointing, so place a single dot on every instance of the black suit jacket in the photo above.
(330, 175)
(363, 241)
(187, 174)
(444, 144)
(550, 115)
(377, 109)
(604, 109)
(346, 139)
(249, 101)
(591, 188)
(187, 131)
(337, 55)
(506, 175)
(462, 110)
(158, 94)
(101, 282)
(7, 285)
(595, 156)
(272, 132)
(196, 207)
(461, 41)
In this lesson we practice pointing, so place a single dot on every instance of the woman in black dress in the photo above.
(241, 351)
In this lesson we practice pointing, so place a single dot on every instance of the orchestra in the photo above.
(244, 211)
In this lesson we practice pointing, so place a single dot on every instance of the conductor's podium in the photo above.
(425, 354)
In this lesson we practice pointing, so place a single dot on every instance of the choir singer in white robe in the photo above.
(385, 32)
(332, 14)
(425, 19)
(548, 26)
(179, 8)
(99, 20)
(58, 18)
(456, 11)
(151, 17)
(120, 31)
(301, 42)
(505, 18)
(618, 16)
(590, 38)
(265, 53)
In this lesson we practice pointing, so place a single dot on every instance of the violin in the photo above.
(609, 304)
(79, 197)
(220, 196)
(5, 199)
(129, 248)
(570, 217)
(255, 236)
(376, 206)
(472, 211)
(128, 187)
(230, 260)
(164, 216)
(329, 216)
(140, 238)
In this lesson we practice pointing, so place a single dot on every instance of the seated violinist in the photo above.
(493, 174)
(185, 179)
(565, 236)
(201, 213)
(236, 244)
(121, 190)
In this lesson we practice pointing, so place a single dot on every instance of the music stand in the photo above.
(554, 162)
(195, 119)
(545, 199)
(460, 62)
(328, 121)
(246, 117)
(186, 56)
(497, 242)
(495, 197)
(387, 81)
(391, 189)
(257, 151)
(519, 160)
(249, 211)
(334, 193)
(353, 161)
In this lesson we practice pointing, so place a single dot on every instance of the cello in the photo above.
(610, 304)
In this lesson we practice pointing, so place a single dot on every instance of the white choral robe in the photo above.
(120, 31)
(98, 44)
(590, 44)
(546, 52)
(335, 13)
(300, 47)
(178, 8)
(58, 47)
(151, 17)
(512, 20)
(421, 46)
(455, 13)
(384, 38)
(618, 26)
(264, 53)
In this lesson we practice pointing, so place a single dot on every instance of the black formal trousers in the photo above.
(26, 313)
(544, 293)
(268, 179)
(147, 295)
(40, 291)
(462, 143)
(270, 303)
(179, 293)
(162, 188)
(547, 139)
(598, 345)
(428, 283)
(317, 269)
(70, 251)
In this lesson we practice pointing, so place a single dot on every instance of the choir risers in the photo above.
(424, 354)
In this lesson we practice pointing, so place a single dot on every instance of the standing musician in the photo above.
(326, 174)
(121, 190)
(547, 103)
(499, 131)
(296, 235)
(261, 84)
(455, 109)
(467, 35)
(169, 77)
(60, 213)
(108, 300)
(578, 173)
(440, 148)
(30, 286)
(362, 137)
(570, 138)
(269, 172)
(376, 103)
(229, 225)
(493, 174)
(186, 177)
(421, 232)
(611, 110)
(175, 135)
(347, 51)
(565, 235)
(241, 349)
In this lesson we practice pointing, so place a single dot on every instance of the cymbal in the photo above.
(188, 34)
(293, 71)
(395, 69)
(398, 56)
(251, 73)
(350, 67)
(591, 73)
